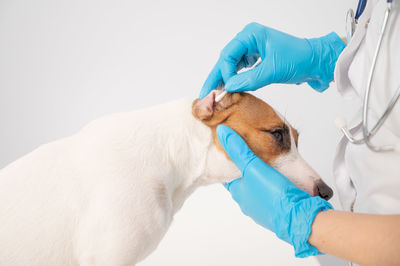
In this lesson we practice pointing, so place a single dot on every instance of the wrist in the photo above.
(300, 228)
(318, 232)
(325, 53)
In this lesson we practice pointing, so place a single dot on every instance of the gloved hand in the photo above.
(269, 198)
(285, 59)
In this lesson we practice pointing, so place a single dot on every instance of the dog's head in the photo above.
(269, 136)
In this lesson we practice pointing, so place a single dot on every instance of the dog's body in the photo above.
(107, 195)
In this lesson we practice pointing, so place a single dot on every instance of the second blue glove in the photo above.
(269, 198)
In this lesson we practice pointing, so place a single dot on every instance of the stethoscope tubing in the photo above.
(360, 8)
(367, 135)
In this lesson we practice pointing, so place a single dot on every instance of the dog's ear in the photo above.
(211, 112)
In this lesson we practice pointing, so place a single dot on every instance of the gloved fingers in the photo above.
(213, 80)
(247, 61)
(235, 147)
(269, 178)
(249, 80)
(241, 155)
(230, 58)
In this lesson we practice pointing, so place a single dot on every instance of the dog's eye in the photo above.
(277, 134)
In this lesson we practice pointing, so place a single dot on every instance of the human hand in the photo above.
(284, 59)
(269, 198)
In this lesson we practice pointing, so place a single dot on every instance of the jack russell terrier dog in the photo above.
(107, 195)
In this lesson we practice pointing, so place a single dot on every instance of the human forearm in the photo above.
(275, 203)
(362, 238)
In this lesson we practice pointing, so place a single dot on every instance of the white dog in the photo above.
(107, 195)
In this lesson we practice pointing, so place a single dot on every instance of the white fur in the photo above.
(107, 195)
(294, 167)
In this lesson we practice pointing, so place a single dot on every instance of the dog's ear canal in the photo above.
(203, 109)
(206, 109)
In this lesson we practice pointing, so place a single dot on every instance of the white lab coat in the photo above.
(367, 181)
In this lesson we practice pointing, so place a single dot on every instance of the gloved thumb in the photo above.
(213, 80)
(235, 147)
(249, 80)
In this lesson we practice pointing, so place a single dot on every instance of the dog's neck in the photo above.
(196, 160)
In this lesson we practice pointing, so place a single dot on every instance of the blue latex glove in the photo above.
(285, 59)
(269, 198)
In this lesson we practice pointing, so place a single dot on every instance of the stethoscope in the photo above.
(351, 22)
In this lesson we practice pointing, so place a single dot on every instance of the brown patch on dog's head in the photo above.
(253, 119)
(267, 134)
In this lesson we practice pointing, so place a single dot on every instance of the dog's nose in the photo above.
(324, 191)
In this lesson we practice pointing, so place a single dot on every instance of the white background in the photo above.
(64, 63)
